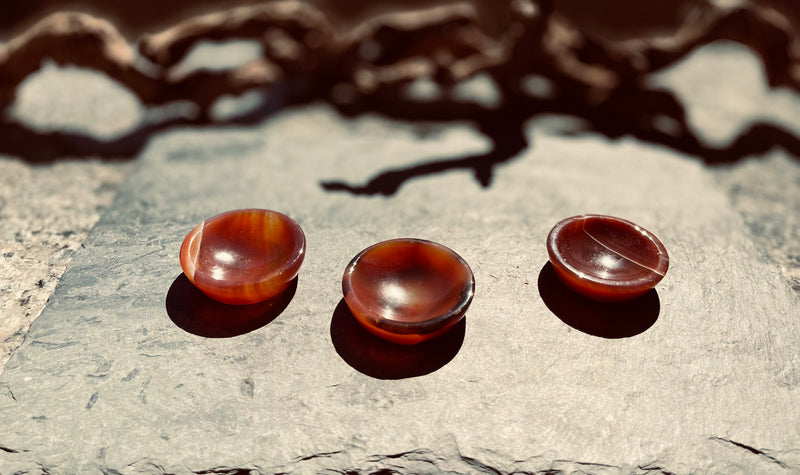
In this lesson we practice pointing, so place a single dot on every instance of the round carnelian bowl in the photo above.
(408, 290)
(606, 258)
(243, 256)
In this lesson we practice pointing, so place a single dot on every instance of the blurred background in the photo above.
(134, 18)
(611, 18)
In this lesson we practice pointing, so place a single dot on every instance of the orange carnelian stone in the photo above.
(243, 256)
(606, 258)
(408, 290)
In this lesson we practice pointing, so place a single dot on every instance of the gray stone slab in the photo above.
(126, 372)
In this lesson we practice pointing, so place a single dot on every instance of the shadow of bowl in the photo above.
(193, 311)
(381, 359)
(603, 319)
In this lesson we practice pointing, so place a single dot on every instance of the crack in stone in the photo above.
(130, 375)
(418, 455)
(9, 450)
(661, 470)
(228, 471)
(8, 391)
(92, 400)
(751, 450)
(420, 452)
(319, 455)
(482, 467)
(43, 469)
(589, 464)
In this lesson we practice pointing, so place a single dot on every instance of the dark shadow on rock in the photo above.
(36, 146)
(606, 320)
(658, 117)
(630, 112)
(193, 311)
(651, 115)
(505, 129)
(40, 146)
(381, 359)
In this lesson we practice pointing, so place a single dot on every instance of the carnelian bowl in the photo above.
(606, 258)
(408, 290)
(243, 256)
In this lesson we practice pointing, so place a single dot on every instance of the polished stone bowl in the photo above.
(408, 290)
(243, 256)
(606, 258)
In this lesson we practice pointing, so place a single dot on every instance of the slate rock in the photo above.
(109, 381)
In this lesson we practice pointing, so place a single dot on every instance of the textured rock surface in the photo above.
(46, 213)
(128, 372)
(114, 376)
(766, 192)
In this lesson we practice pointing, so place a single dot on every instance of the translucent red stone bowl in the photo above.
(408, 290)
(606, 258)
(243, 256)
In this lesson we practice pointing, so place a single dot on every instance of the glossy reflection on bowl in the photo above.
(408, 290)
(243, 256)
(606, 258)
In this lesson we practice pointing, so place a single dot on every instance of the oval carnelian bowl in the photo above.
(606, 258)
(408, 290)
(243, 256)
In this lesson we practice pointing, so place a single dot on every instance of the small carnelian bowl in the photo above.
(606, 258)
(408, 290)
(243, 256)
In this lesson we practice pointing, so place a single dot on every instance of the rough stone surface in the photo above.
(723, 88)
(766, 191)
(45, 214)
(127, 371)
(701, 378)
(46, 211)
